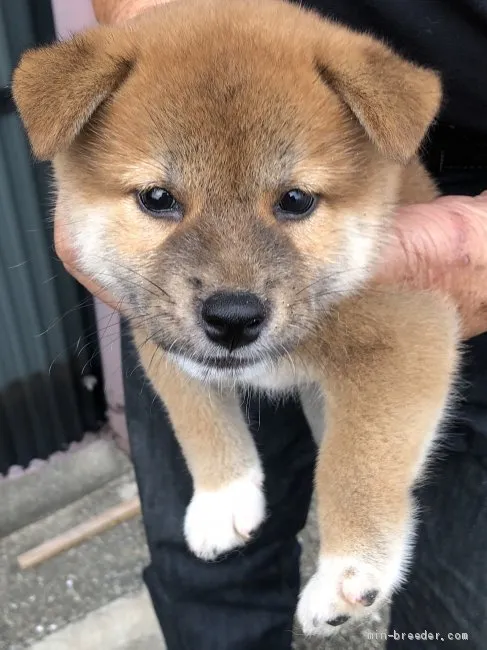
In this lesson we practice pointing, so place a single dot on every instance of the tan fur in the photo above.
(227, 105)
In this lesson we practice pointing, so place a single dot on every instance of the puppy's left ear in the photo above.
(58, 88)
(394, 100)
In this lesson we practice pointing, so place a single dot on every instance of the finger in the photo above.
(66, 253)
(428, 240)
(94, 288)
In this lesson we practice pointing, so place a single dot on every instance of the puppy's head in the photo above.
(225, 168)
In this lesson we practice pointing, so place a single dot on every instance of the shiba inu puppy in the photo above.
(231, 170)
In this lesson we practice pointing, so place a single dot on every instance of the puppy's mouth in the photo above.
(229, 364)
(216, 368)
(220, 368)
(242, 364)
(225, 363)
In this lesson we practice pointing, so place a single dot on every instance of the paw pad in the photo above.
(341, 591)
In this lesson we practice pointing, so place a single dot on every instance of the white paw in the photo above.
(221, 520)
(344, 589)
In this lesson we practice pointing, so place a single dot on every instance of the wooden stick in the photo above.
(71, 538)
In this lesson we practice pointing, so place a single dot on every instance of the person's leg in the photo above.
(245, 601)
(446, 591)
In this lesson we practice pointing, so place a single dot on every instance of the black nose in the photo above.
(233, 319)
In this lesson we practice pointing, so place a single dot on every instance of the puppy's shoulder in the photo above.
(387, 319)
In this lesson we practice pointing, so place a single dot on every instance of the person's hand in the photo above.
(111, 12)
(67, 255)
(117, 11)
(443, 244)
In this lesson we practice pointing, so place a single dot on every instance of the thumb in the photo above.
(429, 239)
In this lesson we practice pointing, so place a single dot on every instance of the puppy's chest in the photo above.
(283, 378)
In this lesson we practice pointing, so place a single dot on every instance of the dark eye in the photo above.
(295, 204)
(159, 202)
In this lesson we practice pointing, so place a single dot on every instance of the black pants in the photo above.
(247, 600)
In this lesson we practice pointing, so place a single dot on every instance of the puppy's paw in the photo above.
(344, 589)
(221, 520)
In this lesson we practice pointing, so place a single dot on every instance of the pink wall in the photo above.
(71, 16)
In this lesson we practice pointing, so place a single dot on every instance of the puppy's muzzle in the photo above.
(233, 319)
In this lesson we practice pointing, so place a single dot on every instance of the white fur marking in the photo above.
(339, 586)
(313, 403)
(221, 520)
(354, 268)
(207, 373)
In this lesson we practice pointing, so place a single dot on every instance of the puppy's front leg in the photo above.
(228, 502)
(385, 399)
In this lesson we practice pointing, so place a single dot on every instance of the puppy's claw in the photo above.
(338, 620)
(369, 597)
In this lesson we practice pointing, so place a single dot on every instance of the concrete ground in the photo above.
(92, 597)
(40, 601)
(47, 486)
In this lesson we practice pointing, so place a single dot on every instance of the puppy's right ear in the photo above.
(393, 99)
(58, 88)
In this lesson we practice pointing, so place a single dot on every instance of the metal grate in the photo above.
(50, 375)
